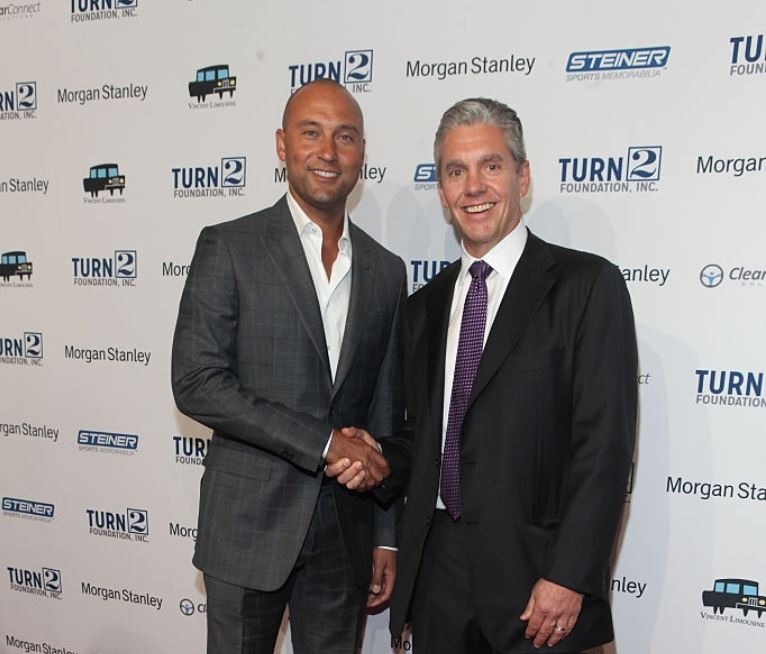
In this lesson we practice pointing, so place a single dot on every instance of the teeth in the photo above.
(478, 208)
(326, 173)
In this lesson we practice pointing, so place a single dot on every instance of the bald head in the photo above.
(321, 142)
(324, 90)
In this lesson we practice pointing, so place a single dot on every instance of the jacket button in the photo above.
(437, 461)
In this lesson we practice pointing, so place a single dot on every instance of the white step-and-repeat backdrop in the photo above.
(644, 126)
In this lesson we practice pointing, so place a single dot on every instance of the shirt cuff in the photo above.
(327, 447)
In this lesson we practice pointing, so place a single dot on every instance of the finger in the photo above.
(388, 585)
(374, 600)
(357, 483)
(535, 623)
(337, 468)
(555, 637)
(528, 610)
(570, 624)
(544, 633)
(349, 473)
(376, 583)
(376, 586)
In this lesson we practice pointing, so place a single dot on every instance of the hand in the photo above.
(383, 576)
(351, 475)
(552, 611)
(354, 459)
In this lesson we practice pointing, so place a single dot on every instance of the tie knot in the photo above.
(480, 269)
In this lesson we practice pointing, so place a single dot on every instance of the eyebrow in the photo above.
(454, 163)
(343, 126)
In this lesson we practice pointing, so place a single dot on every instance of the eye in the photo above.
(493, 167)
(346, 138)
(454, 173)
(310, 132)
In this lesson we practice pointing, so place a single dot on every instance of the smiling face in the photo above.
(482, 185)
(322, 145)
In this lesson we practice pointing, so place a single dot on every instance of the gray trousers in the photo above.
(326, 606)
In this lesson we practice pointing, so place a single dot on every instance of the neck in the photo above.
(330, 219)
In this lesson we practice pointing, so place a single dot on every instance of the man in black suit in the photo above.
(288, 333)
(520, 381)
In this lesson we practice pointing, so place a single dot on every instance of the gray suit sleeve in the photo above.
(205, 378)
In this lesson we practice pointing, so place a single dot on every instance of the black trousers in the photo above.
(444, 620)
(326, 607)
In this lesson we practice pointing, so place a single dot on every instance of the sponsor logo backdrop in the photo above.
(123, 135)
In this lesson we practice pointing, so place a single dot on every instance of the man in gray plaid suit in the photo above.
(287, 339)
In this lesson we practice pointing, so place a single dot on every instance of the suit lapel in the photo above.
(529, 285)
(362, 275)
(439, 301)
(283, 245)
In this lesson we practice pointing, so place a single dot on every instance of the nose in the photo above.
(328, 150)
(474, 182)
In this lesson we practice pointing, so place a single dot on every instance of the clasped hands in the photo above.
(355, 460)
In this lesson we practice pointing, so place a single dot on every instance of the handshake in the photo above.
(355, 460)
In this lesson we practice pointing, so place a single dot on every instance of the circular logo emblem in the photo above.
(186, 606)
(711, 275)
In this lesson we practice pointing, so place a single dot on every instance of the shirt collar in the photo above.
(303, 223)
(504, 256)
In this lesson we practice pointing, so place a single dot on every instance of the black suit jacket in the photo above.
(547, 439)
(250, 362)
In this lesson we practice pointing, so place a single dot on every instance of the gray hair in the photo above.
(472, 111)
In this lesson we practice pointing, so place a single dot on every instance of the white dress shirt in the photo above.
(503, 259)
(333, 294)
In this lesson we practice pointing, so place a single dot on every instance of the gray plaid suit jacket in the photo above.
(250, 362)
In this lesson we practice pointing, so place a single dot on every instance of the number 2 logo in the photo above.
(26, 93)
(33, 345)
(644, 163)
(52, 580)
(125, 261)
(359, 66)
(233, 171)
(138, 521)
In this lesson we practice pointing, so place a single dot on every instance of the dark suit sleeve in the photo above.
(604, 404)
(205, 378)
(398, 448)
(386, 413)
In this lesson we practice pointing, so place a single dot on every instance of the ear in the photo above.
(281, 149)
(524, 177)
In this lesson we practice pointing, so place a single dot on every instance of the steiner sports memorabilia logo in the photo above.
(628, 63)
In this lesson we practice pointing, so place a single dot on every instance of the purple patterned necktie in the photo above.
(469, 348)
